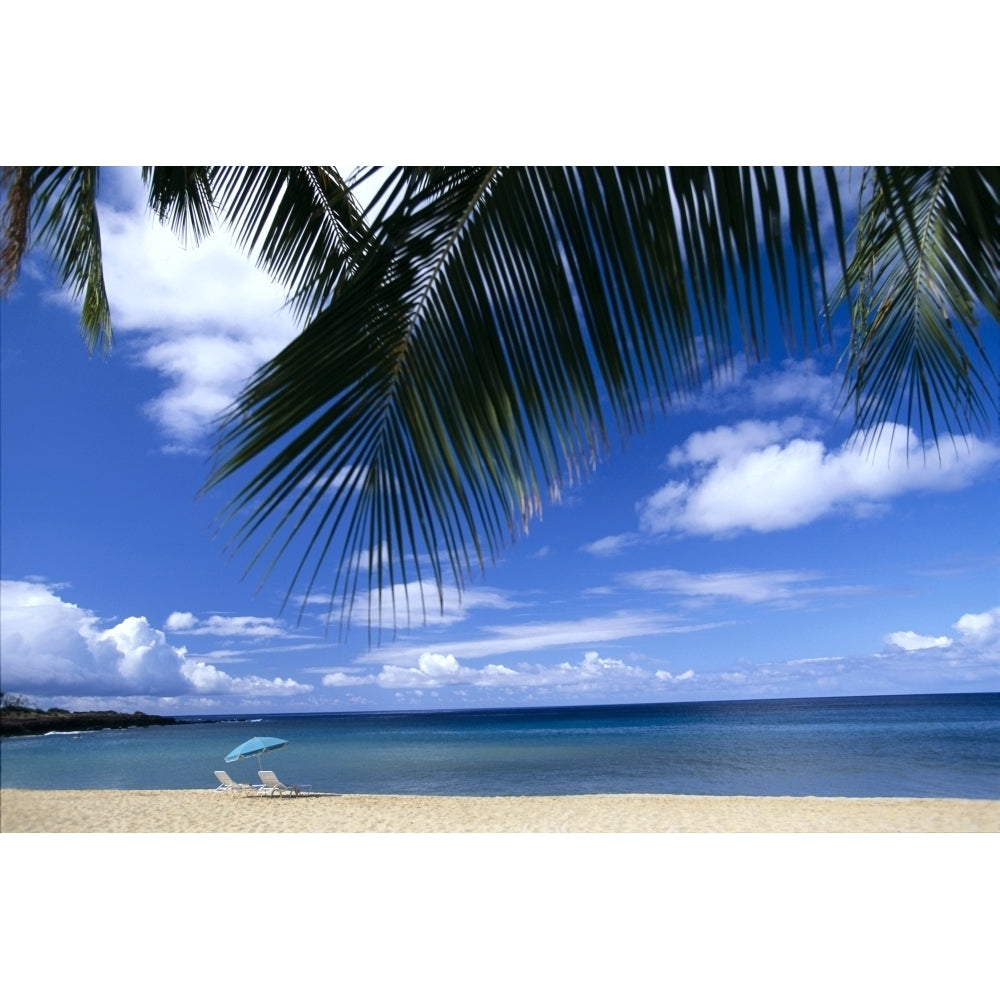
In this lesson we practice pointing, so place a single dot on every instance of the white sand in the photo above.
(202, 811)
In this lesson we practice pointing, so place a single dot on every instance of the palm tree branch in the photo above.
(471, 344)
(181, 198)
(62, 213)
(927, 254)
(15, 186)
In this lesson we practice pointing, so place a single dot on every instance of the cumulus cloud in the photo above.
(166, 299)
(231, 626)
(666, 675)
(340, 678)
(180, 621)
(592, 665)
(969, 661)
(53, 648)
(978, 634)
(980, 629)
(435, 670)
(758, 476)
(911, 640)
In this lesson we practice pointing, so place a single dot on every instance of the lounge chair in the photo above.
(271, 785)
(226, 784)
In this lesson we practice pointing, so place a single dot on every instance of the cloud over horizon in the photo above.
(51, 648)
(979, 633)
(54, 649)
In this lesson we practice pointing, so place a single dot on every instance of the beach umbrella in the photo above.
(255, 747)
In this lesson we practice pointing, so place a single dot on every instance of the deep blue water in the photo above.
(919, 745)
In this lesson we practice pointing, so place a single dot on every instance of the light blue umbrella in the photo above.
(254, 747)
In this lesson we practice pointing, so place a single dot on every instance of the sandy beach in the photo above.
(202, 811)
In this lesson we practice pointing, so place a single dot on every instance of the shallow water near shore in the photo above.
(941, 746)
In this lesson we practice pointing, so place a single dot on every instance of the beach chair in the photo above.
(271, 785)
(226, 784)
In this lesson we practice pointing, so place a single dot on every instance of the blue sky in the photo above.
(745, 546)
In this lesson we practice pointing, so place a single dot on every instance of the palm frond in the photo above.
(479, 332)
(473, 339)
(15, 189)
(298, 224)
(181, 198)
(62, 212)
(926, 260)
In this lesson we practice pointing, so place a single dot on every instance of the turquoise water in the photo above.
(928, 746)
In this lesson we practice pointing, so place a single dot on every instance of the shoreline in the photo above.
(207, 811)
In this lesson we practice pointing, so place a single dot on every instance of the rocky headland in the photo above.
(57, 720)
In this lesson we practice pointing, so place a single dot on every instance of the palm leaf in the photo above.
(295, 222)
(15, 185)
(478, 337)
(927, 258)
(298, 223)
(60, 205)
(472, 341)
(181, 197)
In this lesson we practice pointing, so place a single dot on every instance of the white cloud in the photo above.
(797, 383)
(611, 545)
(203, 317)
(339, 678)
(180, 621)
(666, 675)
(911, 641)
(755, 476)
(748, 388)
(206, 679)
(141, 657)
(593, 665)
(732, 443)
(750, 588)
(967, 662)
(980, 629)
(540, 635)
(53, 648)
(419, 604)
(978, 635)
(436, 670)
(230, 626)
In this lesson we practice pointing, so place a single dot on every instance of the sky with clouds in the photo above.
(747, 545)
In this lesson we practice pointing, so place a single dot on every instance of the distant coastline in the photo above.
(56, 720)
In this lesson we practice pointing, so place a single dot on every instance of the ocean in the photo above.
(913, 745)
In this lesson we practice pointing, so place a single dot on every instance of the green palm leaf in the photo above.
(927, 258)
(181, 197)
(295, 222)
(474, 339)
(477, 340)
(298, 223)
(60, 205)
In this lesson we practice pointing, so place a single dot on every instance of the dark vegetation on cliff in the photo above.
(18, 717)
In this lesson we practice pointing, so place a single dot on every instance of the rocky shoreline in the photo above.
(57, 721)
